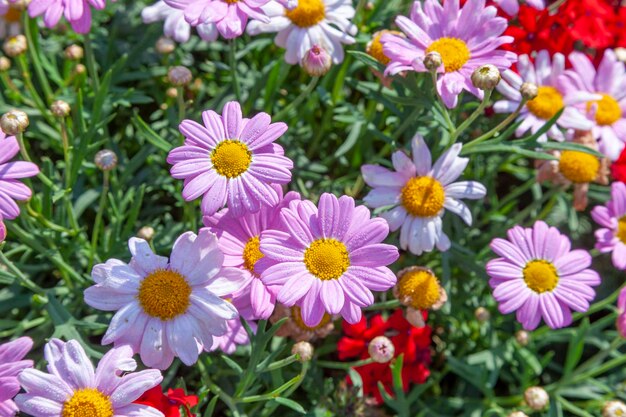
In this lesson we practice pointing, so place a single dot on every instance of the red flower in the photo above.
(618, 169)
(590, 21)
(168, 404)
(412, 342)
(620, 27)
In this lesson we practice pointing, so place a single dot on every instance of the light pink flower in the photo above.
(76, 12)
(236, 335)
(12, 362)
(612, 217)
(175, 26)
(621, 308)
(511, 7)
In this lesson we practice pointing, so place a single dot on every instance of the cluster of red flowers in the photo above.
(169, 404)
(618, 169)
(410, 341)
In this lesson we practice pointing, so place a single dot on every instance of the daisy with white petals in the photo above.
(420, 193)
(313, 22)
(167, 308)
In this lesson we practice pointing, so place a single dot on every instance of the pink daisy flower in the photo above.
(621, 308)
(77, 12)
(231, 159)
(240, 239)
(236, 335)
(329, 259)
(540, 276)
(167, 308)
(511, 7)
(12, 362)
(608, 115)
(612, 218)
(72, 386)
(175, 26)
(466, 38)
(229, 17)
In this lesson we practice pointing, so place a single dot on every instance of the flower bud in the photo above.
(304, 351)
(146, 233)
(536, 398)
(60, 108)
(316, 61)
(486, 77)
(529, 91)
(15, 46)
(482, 314)
(5, 63)
(171, 92)
(522, 337)
(381, 349)
(80, 69)
(518, 414)
(74, 53)
(433, 60)
(165, 45)
(614, 409)
(179, 76)
(14, 122)
(106, 160)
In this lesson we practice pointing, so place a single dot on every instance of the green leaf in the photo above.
(150, 135)
(291, 404)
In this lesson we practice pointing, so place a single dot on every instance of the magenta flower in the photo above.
(621, 318)
(540, 276)
(231, 159)
(329, 259)
(466, 38)
(72, 386)
(612, 217)
(240, 239)
(77, 12)
(12, 362)
(230, 17)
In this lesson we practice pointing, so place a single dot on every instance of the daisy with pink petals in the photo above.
(12, 363)
(240, 239)
(539, 276)
(466, 38)
(328, 259)
(511, 7)
(167, 307)
(231, 160)
(612, 217)
(76, 12)
(72, 387)
(175, 26)
(228, 17)
(235, 336)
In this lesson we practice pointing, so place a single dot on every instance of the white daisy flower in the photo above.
(175, 26)
(167, 308)
(10, 18)
(313, 22)
(420, 193)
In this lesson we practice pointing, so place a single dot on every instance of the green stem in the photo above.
(498, 128)
(298, 100)
(467, 122)
(279, 364)
(233, 69)
(98, 221)
(24, 280)
(34, 56)
(66, 152)
(180, 99)
(20, 141)
(91, 62)
(276, 393)
(345, 365)
(21, 62)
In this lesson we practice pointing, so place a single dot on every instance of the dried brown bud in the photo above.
(106, 160)
(60, 108)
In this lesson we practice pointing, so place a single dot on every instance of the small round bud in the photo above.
(518, 414)
(80, 69)
(482, 314)
(486, 77)
(14, 122)
(74, 53)
(146, 233)
(522, 337)
(529, 91)
(304, 351)
(171, 92)
(381, 349)
(620, 54)
(106, 160)
(433, 60)
(5, 63)
(536, 398)
(60, 108)
(369, 6)
(179, 76)
(15, 46)
(316, 61)
(614, 409)
(165, 45)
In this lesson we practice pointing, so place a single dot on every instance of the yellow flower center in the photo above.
(231, 158)
(327, 259)
(88, 402)
(419, 288)
(164, 294)
(454, 52)
(608, 111)
(308, 13)
(621, 229)
(423, 196)
(296, 316)
(375, 48)
(579, 167)
(547, 103)
(252, 253)
(231, 1)
(13, 15)
(540, 276)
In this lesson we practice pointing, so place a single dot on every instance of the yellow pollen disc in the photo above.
(231, 1)
(608, 111)
(454, 52)
(420, 288)
(308, 13)
(13, 15)
(327, 259)
(252, 253)
(547, 103)
(164, 294)
(296, 316)
(231, 158)
(579, 167)
(540, 276)
(423, 196)
(375, 48)
(88, 402)
(621, 229)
